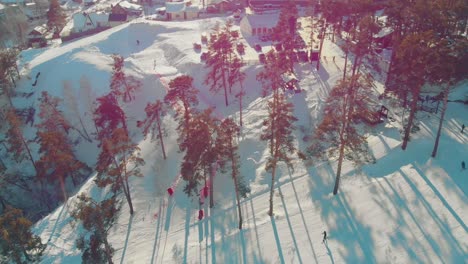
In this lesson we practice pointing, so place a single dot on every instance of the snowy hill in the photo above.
(405, 208)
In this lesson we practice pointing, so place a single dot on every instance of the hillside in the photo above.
(405, 208)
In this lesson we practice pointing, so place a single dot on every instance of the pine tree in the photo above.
(118, 160)
(278, 131)
(270, 76)
(449, 67)
(153, 123)
(55, 17)
(108, 116)
(237, 76)
(227, 150)
(122, 86)
(199, 150)
(97, 218)
(412, 59)
(17, 243)
(57, 160)
(8, 72)
(348, 102)
(182, 92)
(17, 145)
(220, 58)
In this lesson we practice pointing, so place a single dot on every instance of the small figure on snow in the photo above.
(463, 128)
(463, 165)
(333, 58)
(324, 237)
(170, 191)
(138, 42)
(200, 214)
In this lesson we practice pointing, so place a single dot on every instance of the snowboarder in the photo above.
(138, 42)
(324, 237)
(463, 128)
(463, 165)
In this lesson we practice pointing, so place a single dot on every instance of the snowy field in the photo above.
(405, 208)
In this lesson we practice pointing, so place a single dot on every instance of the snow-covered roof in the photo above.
(193, 8)
(40, 29)
(2, 6)
(175, 7)
(99, 17)
(79, 20)
(129, 6)
(260, 21)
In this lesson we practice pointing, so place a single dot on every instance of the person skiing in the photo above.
(138, 42)
(324, 237)
(463, 165)
(463, 128)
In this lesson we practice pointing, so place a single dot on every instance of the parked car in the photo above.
(235, 34)
(302, 54)
(204, 56)
(204, 38)
(240, 47)
(262, 58)
(197, 45)
(278, 47)
(258, 48)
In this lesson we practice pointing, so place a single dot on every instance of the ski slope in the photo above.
(405, 208)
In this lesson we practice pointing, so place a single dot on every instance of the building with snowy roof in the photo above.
(257, 25)
(181, 11)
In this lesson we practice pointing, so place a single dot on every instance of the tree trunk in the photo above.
(212, 172)
(345, 64)
(29, 154)
(126, 190)
(158, 121)
(86, 134)
(236, 185)
(320, 49)
(414, 108)
(108, 250)
(338, 170)
(225, 88)
(273, 172)
(441, 122)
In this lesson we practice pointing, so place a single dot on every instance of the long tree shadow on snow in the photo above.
(336, 211)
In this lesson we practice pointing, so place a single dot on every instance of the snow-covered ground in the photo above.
(405, 208)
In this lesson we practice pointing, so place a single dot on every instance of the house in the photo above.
(36, 37)
(175, 10)
(35, 10)
(118, 9)
(117, 19)
(83, 21)
(131, 9)
(182, 11)
(258, 25)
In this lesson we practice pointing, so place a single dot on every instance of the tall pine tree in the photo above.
(229, 160)
(278, 128)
